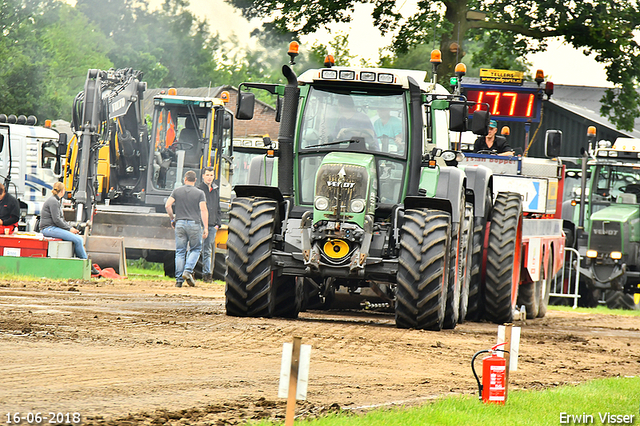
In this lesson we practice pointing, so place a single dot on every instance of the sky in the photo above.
(561, 63)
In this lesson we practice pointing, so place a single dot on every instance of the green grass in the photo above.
(523, 408)
(140, 269)
(598, 310)
(134, 273)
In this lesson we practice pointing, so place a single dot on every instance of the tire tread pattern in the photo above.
(249, 291)
(422, 275)
(501, 257)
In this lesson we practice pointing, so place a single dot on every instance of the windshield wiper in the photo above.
(353, 139)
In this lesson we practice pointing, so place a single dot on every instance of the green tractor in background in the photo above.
(609, 218)
(357, 207)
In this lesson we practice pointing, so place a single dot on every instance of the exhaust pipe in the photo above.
(287, 132)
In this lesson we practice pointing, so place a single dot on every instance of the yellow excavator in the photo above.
(120, 170)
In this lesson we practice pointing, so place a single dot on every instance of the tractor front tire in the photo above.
(249, 286)
(617, 299)
(504, 254)
(423, 269)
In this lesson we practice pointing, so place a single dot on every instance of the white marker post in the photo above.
(511, 335)
(294, 375)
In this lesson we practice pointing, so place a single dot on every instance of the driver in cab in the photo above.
(352, 123)
(492, 142)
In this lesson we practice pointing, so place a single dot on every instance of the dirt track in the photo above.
(132, 353)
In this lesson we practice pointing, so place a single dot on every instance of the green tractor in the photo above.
(368, 197)
(609, 216)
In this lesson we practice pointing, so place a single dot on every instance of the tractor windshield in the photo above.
(372, 123)
(355, 122)
(616, 184)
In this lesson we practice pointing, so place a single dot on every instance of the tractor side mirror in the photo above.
(246, 103)
(62, 145)
(458, 117)
(480, 122)
(553, 142)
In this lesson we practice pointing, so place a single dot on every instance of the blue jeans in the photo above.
(188, 233)
(78, 242)
(209, 250)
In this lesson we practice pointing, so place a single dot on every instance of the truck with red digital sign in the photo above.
(538, 181)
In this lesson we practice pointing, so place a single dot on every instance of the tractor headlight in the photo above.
(329, 74)
(367, 76)
(592, 254)
(357, 205)
(616, 255)
(321, 203)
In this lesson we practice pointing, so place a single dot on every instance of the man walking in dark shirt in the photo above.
(212, 195)
(191, 224)
(9, 211)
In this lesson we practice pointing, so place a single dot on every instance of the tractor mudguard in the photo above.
(272, 192)
(261, 170)
(450, 186)
(479, 179)
(428, 203)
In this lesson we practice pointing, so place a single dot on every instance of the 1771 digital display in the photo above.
(504, 103)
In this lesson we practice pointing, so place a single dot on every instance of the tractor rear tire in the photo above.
(467, 250)
(452, 308)
(423, 269)
(289, 296)
(219, 265)
(529, 296)
(504, 254)
(589, 295)
(169, 265)
(456, 270)
(475, 306)
(546, 287)
(617, 299)
(249, 290)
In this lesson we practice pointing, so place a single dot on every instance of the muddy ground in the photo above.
(143, 353)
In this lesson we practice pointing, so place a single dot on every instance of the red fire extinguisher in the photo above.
(494, 376)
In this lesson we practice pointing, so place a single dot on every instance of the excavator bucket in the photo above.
(107, 252)
(141, 228)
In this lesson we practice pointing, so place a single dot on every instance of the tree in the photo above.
(43, 64)
(66, 56)
(506, 30)
(170, 45)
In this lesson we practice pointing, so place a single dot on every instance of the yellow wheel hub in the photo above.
(336, 249)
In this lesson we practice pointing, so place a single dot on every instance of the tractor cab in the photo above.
(367, 131)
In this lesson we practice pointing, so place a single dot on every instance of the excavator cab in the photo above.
(179, 146)
(188, 133)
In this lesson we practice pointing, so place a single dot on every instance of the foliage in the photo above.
(48, 47)
(508, 30)
(171, 46)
